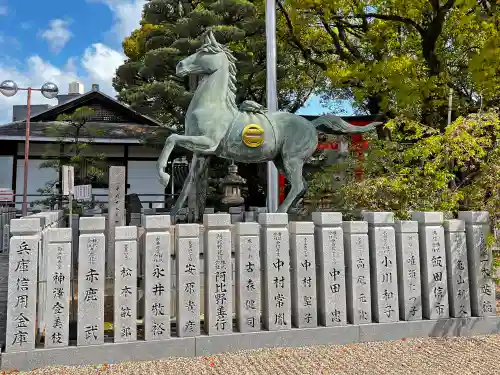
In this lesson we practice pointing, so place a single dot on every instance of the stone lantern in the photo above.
(232, 184)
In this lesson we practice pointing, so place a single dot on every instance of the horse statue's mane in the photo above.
(212, 46)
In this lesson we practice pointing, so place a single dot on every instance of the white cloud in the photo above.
(58, 35)
(4, 11)
(98, 65)
(127, 15)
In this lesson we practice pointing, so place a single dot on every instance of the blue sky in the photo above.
(66, 40)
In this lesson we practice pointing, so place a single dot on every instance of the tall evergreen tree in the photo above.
(169, 32)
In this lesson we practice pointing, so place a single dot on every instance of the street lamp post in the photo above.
(272, 98)
(9, 88)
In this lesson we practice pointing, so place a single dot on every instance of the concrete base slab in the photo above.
(98, 354)
(206, 345)
(295, 337)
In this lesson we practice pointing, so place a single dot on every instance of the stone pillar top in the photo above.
(378, 218)
(355, 226)
(19, 227)
(125, 233)
(157, 222)
(188, 230)
(247, 229)
(278, 219)
(324, 219)
(214, 221)
(92, 224)
(406, 226)
(454, 225)
(59, 234)
(301, 227)
(474, 217)
(428, 218)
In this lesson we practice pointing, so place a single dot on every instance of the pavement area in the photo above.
(436, 356)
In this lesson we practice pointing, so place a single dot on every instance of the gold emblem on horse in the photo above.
(253, 135)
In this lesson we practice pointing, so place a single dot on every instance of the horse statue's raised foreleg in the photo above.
(196, 144)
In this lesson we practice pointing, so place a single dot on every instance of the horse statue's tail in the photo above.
(335, 125)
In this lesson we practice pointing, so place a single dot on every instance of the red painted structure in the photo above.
(358, 145)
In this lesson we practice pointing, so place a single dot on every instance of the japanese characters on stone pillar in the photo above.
(116, 211)
(218, 274)
(248, 286)
(188, 280)
(158, 250)
(457, 268)
(58, 287)
(276, 293)
(358, 272)
(408, 258)
(330, 264)
(91, 281)
(480, 257)
(22, 293)
(303, 268)
(433, 265)
(125, 298)
(383, 266)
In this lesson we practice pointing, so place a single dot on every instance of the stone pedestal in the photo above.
(457, 268)
(330, 264)
(480, 257)
(384, 283)
(188, 280)
(22, 294)
(248, 270)
(303, 268)
(125, 298)
(91, 281)
(276, 312)
(58, 287)
(433, 265)
(357, 259)
(218, 274)
(157, 264)
(408, 257)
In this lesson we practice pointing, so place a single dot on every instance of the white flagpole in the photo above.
(272, 100)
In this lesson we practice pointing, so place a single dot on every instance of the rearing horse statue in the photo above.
(216, 126)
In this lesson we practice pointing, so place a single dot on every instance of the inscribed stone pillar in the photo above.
(357, 259)
(383, 266)
(432, 265)
(276, 311)
(22, 294)
(480, 257)
(218, 274)
(125, 298)
(188, 280)
(157, 271)
(408, 257)
(116, 212)
(458, 270)
(248, 286)
(91, 281)
(330, 264)
(303, 268)
(6, 237)
(58, 287)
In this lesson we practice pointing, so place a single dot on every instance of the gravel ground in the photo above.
(476, 355)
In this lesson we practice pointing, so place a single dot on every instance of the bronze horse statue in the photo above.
(216, 126)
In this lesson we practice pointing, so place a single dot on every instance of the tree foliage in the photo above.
(75, 137)
(401, 57)
(170, 32)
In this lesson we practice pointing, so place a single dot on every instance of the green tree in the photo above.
(169, 32)
(401, 57)
(75, 136)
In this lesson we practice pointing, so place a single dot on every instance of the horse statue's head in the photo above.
(207, 59)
